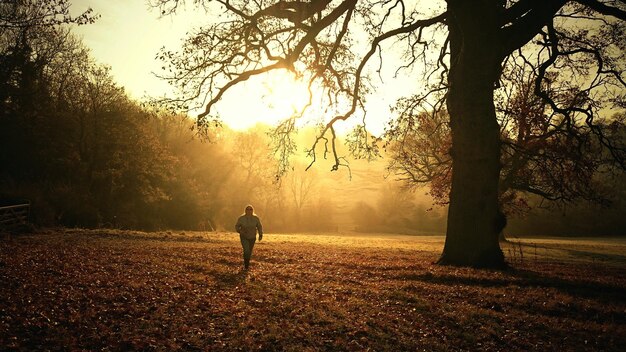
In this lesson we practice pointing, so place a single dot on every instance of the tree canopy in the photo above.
(572, 51)
(541, 155)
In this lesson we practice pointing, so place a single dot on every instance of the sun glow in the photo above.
(267, 99)
(275, 96)
(127, 39)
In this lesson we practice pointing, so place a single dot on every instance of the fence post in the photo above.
(12, 216)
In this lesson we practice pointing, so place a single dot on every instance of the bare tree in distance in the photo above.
(300, 186)
(321, 42)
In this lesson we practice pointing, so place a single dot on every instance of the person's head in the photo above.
(249, 210)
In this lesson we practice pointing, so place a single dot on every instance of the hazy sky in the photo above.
(128, 35)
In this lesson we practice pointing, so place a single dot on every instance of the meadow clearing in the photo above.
(79, 289)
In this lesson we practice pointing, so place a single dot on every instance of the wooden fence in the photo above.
(13, 216)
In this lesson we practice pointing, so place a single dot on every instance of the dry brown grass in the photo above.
(118, 290)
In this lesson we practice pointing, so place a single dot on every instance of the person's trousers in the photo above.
(247, 244)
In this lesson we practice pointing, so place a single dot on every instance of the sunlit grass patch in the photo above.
(610, 251)
(352, 240)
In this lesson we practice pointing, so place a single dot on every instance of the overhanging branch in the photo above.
(521, 31)
(373, 48)
(604, 9)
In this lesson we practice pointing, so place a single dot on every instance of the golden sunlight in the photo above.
(277, 95)
(267, 99)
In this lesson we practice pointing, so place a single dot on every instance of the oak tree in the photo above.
(463, 48)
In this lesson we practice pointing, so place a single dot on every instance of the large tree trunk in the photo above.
(473, 215)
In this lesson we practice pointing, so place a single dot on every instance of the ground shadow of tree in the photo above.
(529, 279)
(580, 300)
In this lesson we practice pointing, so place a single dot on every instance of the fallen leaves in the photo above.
(92, 290)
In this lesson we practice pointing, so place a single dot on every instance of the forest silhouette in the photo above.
(74, 144)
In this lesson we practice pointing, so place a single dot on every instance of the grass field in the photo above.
(116, 290)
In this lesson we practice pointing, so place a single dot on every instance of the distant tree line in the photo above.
(74, 144)
(397, 210)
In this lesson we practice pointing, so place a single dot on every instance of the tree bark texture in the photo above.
(475, 66)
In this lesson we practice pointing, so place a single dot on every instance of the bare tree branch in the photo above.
(604, 9)
(536, 15)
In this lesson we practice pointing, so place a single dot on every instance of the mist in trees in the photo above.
(397, 210)
(85, 154)
(465, 50)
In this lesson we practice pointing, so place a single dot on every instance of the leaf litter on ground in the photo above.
(122, 290)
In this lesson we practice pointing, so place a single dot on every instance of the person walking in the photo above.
(247, 226)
